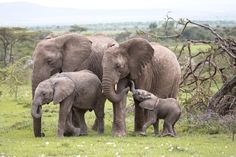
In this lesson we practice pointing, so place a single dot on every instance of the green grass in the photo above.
(16, 136)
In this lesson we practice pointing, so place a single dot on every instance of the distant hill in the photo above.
(29, 14)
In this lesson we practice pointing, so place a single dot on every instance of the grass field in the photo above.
(16, 136)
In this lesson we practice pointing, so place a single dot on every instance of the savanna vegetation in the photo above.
(203, 129)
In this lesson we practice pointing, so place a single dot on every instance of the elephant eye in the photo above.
(50, 61)
(117, 65)
(43, 94)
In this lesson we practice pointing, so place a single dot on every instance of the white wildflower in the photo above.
(47, 143)
(146, 148)
(109, 143)
(162, 155)
(117, 154)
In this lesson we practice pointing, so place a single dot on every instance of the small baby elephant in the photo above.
(80, 90)
(167, 109)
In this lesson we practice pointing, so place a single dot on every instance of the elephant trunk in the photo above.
(109, 91)
(37, 77)
(36, 110)
(132, 87)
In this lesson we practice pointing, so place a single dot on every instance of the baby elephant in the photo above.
(167, 109)
(80, 90)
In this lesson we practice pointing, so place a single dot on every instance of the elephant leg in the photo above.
(63, 114)
(71, 130)
(156, 127)
(167, 131)
(75, 117)
(173, 128)
(146, 125)
(119, 112)
(82, 123)
(99, 112)
(139, 118)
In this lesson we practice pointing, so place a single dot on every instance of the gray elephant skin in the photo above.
(158, 108)
(67, 53)
(82, 90)
(153, 68)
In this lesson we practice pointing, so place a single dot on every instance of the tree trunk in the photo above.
(226, 88)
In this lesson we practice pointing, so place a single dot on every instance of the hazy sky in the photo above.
(137, 4)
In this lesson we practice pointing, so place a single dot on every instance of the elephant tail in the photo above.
(175, 88)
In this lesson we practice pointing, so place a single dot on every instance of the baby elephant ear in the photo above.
(147, 104)
(63, 87)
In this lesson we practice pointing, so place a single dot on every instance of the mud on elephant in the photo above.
(67, 53)
(152, 67)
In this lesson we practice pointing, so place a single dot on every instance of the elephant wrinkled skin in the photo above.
(151, 66)
(67, 53)
(158, 108)
(82, 90)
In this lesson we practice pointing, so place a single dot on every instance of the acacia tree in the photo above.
(9, 38)
(15, 75)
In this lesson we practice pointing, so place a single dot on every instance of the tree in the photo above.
(15, 75)
(152, 26)
(77, 28)
(9, 38)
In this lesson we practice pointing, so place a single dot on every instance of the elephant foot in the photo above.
(40, 135)
(118, 133)
(143, 133)
(77, 132)
(60, 135)
(138, 133)
(168, 134)
(83, 133)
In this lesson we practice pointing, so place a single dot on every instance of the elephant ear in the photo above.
(149, 104)
(140, 53)
(75, 50)
(63, 87)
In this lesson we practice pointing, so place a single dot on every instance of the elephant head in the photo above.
(125, 60)
(63, 53)
(54, 89)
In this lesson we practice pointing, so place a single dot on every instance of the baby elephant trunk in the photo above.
(36, 111)
(132, 86)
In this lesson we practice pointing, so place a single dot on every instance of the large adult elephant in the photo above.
(151, 66)
(66, 53)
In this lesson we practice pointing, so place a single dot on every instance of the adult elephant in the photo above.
(66, 53)
(151, 66)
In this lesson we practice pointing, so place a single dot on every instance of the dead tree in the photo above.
(201, 75)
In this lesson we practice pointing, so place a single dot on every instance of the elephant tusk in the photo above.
(115, 87)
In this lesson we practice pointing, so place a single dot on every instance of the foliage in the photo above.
(152, 26)
(123, 36)
(76, 28)
(15, 75)
(15, 43)
(196, 33)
